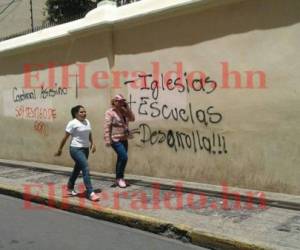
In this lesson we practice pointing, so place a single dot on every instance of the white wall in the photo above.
(249, 135)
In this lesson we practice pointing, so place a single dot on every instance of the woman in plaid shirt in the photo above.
(116, 133)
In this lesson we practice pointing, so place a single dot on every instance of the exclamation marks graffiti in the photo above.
(219, 144)
(224, 145)
(214, 143)
(221, 147)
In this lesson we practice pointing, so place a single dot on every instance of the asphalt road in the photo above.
(50, 228)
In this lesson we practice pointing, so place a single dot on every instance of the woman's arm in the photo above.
(93, 146)
(128, 112)
(62, 144)
(107, 128)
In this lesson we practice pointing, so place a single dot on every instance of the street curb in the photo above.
(272, 202)
(145, 223)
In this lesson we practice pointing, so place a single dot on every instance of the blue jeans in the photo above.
(121, 148)
(80, 156)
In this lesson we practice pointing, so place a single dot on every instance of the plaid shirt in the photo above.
(115, 126)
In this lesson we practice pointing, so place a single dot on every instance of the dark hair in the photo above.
(75, 110)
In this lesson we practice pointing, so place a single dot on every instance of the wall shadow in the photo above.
(202, 26)
(179, 31)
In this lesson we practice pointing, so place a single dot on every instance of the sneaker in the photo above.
(72, 192)
(94, 197)
(121, 183)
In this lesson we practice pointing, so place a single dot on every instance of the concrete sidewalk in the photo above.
(205, 215)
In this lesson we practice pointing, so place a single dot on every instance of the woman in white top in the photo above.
(80, 130)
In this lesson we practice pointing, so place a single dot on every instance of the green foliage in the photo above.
(61, 10)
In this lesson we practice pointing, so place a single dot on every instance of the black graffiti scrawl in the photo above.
(152, 105)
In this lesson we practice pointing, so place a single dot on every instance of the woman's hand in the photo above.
(58, 153)
(128, 112)
(93, 148)
(125, 108)
(62, 143)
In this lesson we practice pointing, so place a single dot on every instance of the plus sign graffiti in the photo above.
(168, 99)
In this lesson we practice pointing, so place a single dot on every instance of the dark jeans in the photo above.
(80, 156)
(121, 148)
